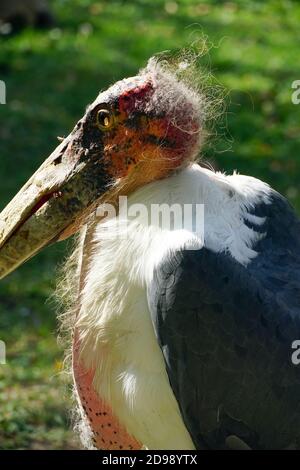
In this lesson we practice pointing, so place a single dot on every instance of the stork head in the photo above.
(139, 130)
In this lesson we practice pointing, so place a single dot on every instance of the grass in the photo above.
(51, 76)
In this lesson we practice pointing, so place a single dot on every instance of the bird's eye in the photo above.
(105, 120)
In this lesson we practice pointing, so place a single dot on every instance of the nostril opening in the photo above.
(57, 160)
(79, 125)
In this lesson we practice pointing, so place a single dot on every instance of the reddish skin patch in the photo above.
(108, 432)
(129, 99)
(152, 140)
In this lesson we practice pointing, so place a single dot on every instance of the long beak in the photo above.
(67, 183)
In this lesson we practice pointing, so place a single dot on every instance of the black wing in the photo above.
(226, 333)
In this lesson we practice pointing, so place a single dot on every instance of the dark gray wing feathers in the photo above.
(226, 331)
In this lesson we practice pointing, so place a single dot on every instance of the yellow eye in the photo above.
(105, 120)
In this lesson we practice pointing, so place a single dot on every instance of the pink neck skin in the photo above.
(108, 432)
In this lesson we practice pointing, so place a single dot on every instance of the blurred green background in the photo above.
(52, 75)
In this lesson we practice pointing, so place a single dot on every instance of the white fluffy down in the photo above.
(114, 320)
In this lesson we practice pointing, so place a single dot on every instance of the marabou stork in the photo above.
(181, 339)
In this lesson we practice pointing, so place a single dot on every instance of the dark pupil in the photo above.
(103, 118)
